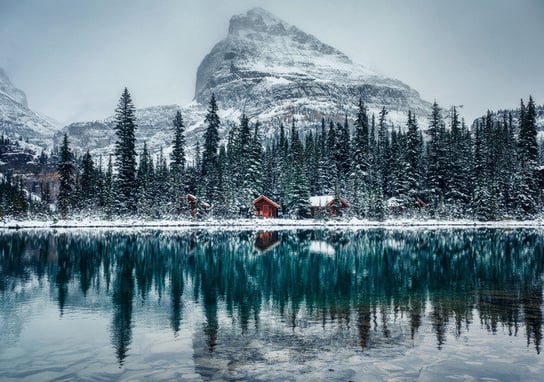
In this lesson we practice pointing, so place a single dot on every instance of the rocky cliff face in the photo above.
(17, 120)
(273, 72)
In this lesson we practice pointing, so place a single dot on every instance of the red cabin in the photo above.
(265, 207)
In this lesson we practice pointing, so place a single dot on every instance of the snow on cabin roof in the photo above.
(321, 201)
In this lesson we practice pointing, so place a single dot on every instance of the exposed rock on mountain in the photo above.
(17, 120)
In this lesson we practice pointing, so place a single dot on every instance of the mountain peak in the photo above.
(257, 20)
(11, 91)
(265, 62)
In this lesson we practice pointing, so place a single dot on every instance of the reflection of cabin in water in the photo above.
(265, 241)
(332, 205)
(265, 207)
(197, 205)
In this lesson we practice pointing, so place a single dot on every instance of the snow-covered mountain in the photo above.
(273, 72)
(154, 128)
(18, 120)
(271, 68)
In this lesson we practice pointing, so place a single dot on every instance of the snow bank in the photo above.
(263, 224)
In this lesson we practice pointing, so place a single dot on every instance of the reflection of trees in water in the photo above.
(364, 280)
(122, 298)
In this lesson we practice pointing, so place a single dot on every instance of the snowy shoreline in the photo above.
(264, 224)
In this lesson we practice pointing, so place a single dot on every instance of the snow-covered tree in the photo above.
(67, 185)
(125, 152)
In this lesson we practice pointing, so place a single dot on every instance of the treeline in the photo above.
(441, 170)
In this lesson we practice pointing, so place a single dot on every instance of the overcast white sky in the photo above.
(73, 57)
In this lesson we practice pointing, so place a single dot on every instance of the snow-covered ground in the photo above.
(264, 224)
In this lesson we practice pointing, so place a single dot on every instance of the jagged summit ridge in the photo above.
(259, 24)
(8, 89)
(258, 20)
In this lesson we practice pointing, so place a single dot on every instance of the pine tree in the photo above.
(322, 172)
(144, 180)
(435, 157)
(332, 177)
(360, 162)
(65, 198)
(177, 169)
(299, 191)
(382, 152)
(87, 183)
(483, 198)
(414, 152)
(109, 188)
(177, 165)
(100, 178)
(344, 149)
(125, 151)
(457, 176)
(255, 165)
(528, 158)
(161, 200)
(210, 165)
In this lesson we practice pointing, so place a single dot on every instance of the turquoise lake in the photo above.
(338, 305)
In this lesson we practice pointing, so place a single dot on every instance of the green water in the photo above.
(283, 305)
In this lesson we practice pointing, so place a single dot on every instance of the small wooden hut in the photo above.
(265, 207)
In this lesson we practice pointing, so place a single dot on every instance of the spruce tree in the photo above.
(210, 164)
(125, 152)
(332, 177)
(528, 158)
(177, 166)
(382, 151)
(145, 175)
(109, 189)
(414, 151)
(178, 143)
(299, 191)
(255, 165)
(67, 186)
(360, 162)
(87, 183)
(435, 157)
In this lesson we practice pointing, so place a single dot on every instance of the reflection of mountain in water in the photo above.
(368, 290)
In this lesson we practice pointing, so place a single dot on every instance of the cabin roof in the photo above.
(269, 201)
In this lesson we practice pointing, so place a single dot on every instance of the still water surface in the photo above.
(285, 305)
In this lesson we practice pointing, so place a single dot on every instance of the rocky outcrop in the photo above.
(18, 120)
